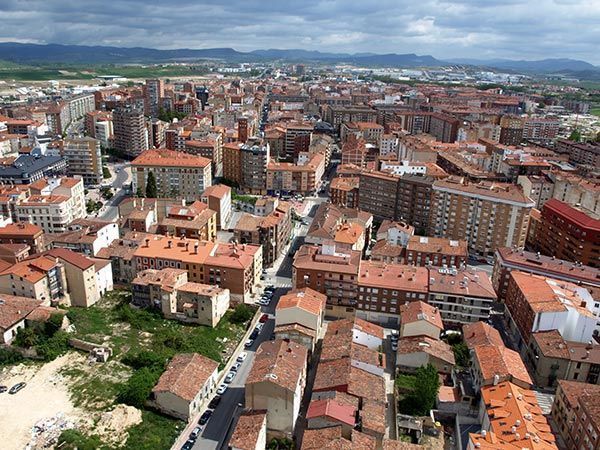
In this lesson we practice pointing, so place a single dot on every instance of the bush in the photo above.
(27, 337)
(422, 399)
(144, 358)
(461, 354)
(53, 347)
(105, 172)
(241, 314)
(137, 389)
(76, 440)
(9, 356)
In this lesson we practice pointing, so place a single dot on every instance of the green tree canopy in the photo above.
(575, 135)
(151, 190)
(422, 399)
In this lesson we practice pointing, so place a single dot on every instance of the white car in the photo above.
(249, 343)
(222, 389)
(242, 357)
(229, 377)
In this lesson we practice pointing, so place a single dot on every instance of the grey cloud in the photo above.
(443, 28)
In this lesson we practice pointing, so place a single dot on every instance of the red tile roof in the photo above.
(332, 409)
(186, 374)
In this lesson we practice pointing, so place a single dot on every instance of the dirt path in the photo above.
(45, 395)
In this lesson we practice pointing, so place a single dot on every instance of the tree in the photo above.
(575, 135)
(241, 314)
(137, 389)
(151, 190)
(461, 354)
(139, 192)
(422, 399)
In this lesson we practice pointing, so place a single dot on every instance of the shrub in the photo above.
(9, 356)
(137, 389)
(241, 314)
(422, 399)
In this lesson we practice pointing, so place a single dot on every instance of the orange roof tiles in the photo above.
(169, 158)
(185, 375)
(504, 362)
(480, 333)
(332, 409)
(393, 276)
(13, 309)
(279, 362)
(417, 311)
(306, 299)
(248, 429)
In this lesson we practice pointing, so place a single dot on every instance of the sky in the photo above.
(482, 29)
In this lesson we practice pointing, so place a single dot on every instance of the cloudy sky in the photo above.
(528, 29)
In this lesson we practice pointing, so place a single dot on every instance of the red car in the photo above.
(263, 318)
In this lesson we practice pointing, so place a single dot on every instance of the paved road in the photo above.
(110, 211)
(220, 426)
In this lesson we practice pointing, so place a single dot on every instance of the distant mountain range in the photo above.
(79, 54)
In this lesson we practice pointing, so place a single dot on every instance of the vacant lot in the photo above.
(84, 394)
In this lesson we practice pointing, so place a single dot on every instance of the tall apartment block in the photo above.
(153, 91)
(511, 130)
(570, 233)
(254, 158)
(486, 215)
(130, 133)
(84, 159)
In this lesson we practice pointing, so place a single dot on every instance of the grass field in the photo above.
(595, 111)
(12, 71)
(129, 331)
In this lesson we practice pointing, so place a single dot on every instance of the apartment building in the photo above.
(177, 298)
(569, 233)
(39, 277)
(232, 162)
(425, 251)
(344, 191)
(87, 236)
(511, 130)
(272, 231)
(153, 91)
(304, 177)
(535, 303)
(406, 198)
(177, 174)
(338, 114)
(211, 147)
(510, 259)
(218, 198)
(551, 358)
(130, 132)
(486, 215)
(444, 127)
(254, 160)
(24, 233)
(195, 221)
(84, 159)
(297, 139)
(276, 384)
(580, 153)
(53, 205)
(230, 266)
(574, 412)
(329, 272)
(371, 132)
(541, 128)
(461, 295)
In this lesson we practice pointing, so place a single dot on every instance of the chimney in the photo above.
(169, 243)
(196, 245)
(147, 242)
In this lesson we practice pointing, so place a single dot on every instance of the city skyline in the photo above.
(445, 30)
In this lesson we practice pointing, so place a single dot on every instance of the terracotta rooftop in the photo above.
(425, 244)
(20, 229)
(333, 410)
(433, 347)
(552, 345)
(531, 262)
(309, 257)
(76, 259)
(480, 333)
(393, 276)
(13, 309)
(462, 282)
(348, 325)
(499, 360)
(516, 418)
(306, 299)
(32, 270)
(216, 190)
(248, 429)
(185, 375)
(496, 192)
(574, 390)
(420, 311)
(279, 362)
(584, 219)
(169, 158)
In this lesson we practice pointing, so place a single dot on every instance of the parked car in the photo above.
(204, 418)
(3, 389)
(195, 433)
(254, 334)
(188, 445)
(263, 318)
(222, 388)
(248, 343)
(242, 357)
(215, 402)
(236, 367)
(229, 377)
(259, 326)
(17, 387)
(394, 345)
